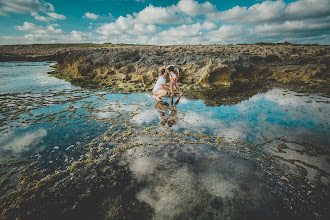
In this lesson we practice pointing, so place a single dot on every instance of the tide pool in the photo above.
(173, 157)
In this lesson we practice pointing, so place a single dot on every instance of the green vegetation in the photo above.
(66, 78)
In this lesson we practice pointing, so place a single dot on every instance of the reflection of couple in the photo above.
(172, 117)
(160, 90)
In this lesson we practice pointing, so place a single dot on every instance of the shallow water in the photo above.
(265, 156)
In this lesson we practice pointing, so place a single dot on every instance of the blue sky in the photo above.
(164, 22)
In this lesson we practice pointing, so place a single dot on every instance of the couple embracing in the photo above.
(160, 90)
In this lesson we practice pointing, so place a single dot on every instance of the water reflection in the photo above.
(29, 77)
(276, 113)
(162, 107)
(222, 184)
(20, 141)
(173, 116)
(212, 161)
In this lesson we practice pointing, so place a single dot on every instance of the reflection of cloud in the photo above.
(104, 111)
(231, 134)
(289, 99)
(177, 180)
(198, 120)
(277, 113)
(216, 184)
(141, 166)
(170, 199)
(123, 107)
(295, 152)
(19, 143)
(105, 114)
(145, 116)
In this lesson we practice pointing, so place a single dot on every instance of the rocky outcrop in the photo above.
(137, 67)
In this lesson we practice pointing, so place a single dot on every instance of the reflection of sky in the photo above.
(29, 77)
(277, 113)
(21, 141)
(174, 178)
(174, 185)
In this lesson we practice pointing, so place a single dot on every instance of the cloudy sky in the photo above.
(164, 22)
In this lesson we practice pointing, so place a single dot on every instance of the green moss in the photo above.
(60, 76)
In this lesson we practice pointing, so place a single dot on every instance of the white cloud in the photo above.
(178, 24)
(161, 15)
(291, 26)
(40, 17)
(260, 12)
(49, 37)
(209, 26)
(56, 16)
(34, 7)
(51, 16)
(78, 36)
(187, 31)
(91, 15)
(191, 22)
(126, 25)
(27, 26)
(117, 27)
(19, 6)
(274, 12)
(308, 9)
(175, 14)
(144, 29)
(48, 7)
(144, 23)
(230, 34)
(185, 34)
(193, 8)
(111, 16)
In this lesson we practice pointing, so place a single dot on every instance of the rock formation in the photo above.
(135, 68)
(201, 66)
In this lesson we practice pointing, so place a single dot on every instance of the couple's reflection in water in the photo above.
(162, 107)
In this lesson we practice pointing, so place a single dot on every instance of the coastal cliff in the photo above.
(135, 68)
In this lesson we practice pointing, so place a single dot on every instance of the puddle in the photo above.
(126, 155)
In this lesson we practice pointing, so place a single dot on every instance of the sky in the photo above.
(164, 22)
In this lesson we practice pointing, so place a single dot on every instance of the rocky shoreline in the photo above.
(98, 178)
(134, 68)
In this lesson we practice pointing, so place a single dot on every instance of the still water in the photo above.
(264, 156)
